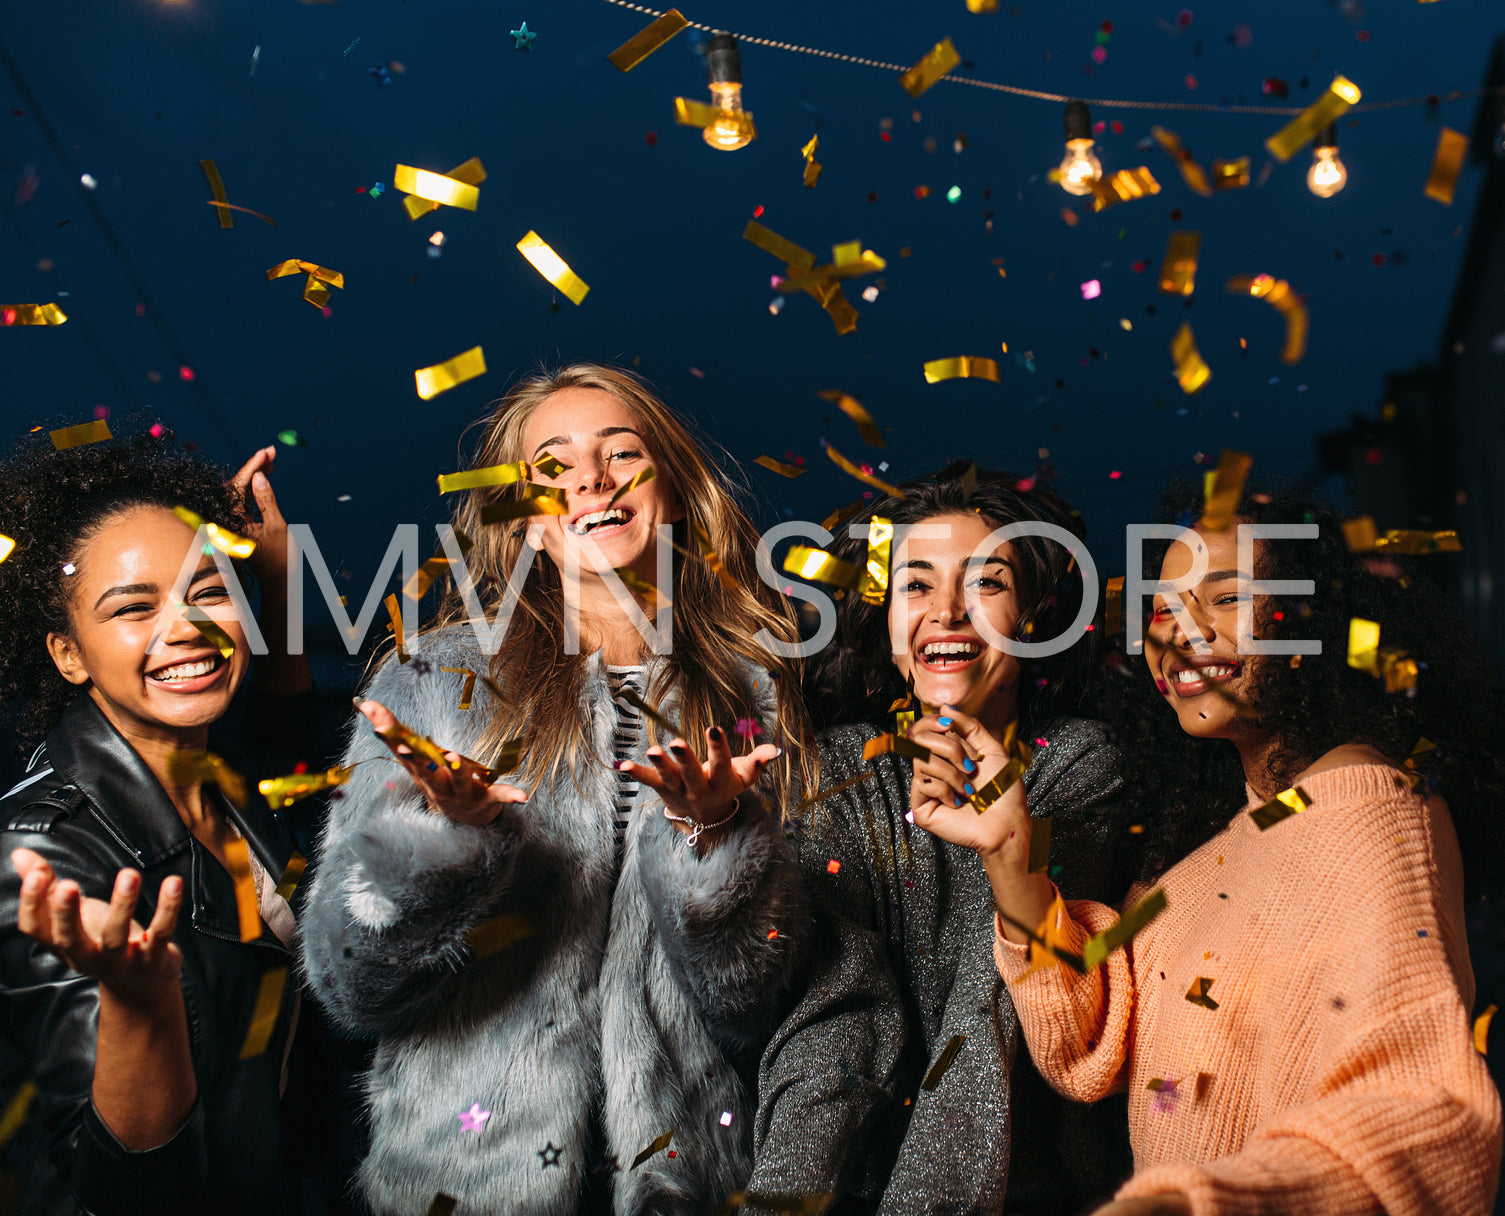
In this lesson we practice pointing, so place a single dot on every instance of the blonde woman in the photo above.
(651, 912)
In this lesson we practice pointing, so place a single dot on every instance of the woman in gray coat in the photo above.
(571, 970)
(900, 1083)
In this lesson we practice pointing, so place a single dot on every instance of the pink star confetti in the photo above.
(748, 727)
(474, 1119)
(1164, 1101)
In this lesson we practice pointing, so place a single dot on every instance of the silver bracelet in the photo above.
(697, 828)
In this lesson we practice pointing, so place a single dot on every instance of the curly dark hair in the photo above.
(1196, 785)
(50, 503)
(854, 679)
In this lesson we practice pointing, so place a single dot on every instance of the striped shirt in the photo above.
(624, 743)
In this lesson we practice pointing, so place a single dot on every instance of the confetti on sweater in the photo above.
(943, 1062)
(474, 1119)
(1481, 1029)
(658, 1145)
(1197, 993)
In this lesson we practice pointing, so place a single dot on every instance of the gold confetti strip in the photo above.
(1100, 945)
(828, 295)
(780, 247)
(237, 207)
(553, 267)
(292, 873)
(1001, 782)
(647, 40)
(492, 935)
(1113, 609)
(314, 291)
(19, 1107)
(1039, 845)
(394, 626)
(899, 745)
(420, 745)
(812, 166)
(846, 466)
(226, 541)
(1397, 668)
(707, 551)
(1047, 942)
(643, 707)
(471, 173)
(1302, 129)
(467, 692)
(943, 1062)
(640, 586)
(962, 367)
(818, 566)
(858, 413)
(550, 465)
(982, 6)
(1222, 490)
(1191, 172)
(849, 260)
(534, 489)
(264, 1014)
(1285, 804)
(443, 1205)
(880, 537)
(1230, 174)
(832, 791)
(1279, 295)
(217, 188)
(691, 113)
(638, 478)
(1416, 544)
(658, 1146)
(284, 791)
(31, 314)
(501, 512)
(1360, 534)
(1447, 163)
(933, 65)
(1481, 1039)
(195, 766)
(1197, 993)
(1192, 372)
(211, 630)
(780, 467)
(1123, 186)
(434, 569)
(7, 546)
(247, 907)
(441, 377)
(507, 758)
(77, 436)
(438, 187)
(1178, 269)
(842, 514)
(492, 475)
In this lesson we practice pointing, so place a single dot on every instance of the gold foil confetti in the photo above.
(1397, 668)
(1481, 1030)
(7, 546)
(1360, 534)
(658, 1146)
(1039, 845)
(880, 537)
(1100, 945)
(394, 626)
(982, 6)
(962, 367)
(1191, 172)
(831, 791)
(420, 745)
(1447, 163)
(707, 551)
(690, 113)
(780, 467)
(933, 65)
(550, 465)
(553, 267)
(1178, 269)
(641, 587)
(1192, 372)
(1302, 129)
(637, 479)
(1047, 942)
(1230, 174)
(471, 173)
(226, 541)
(1123, 186)
(292, 873)
(501, 512)
(208, 627)
(217, 188)
(195, 766)
(492, 475)
(247, 906)
(1197, 993)
(507, 758)
(264, 1014)
(438, 187)
(468, 690)
(846, 466)
(812, 166)
(315, 290)
(1113, 610)
(943, 1062)
(1417, 544)
(830, 297)
(1285, 804)
(1223, 489)
(842, 514)
(492, 935)
(780, 247)
(1000, 783)
(31, 314)
(434, 569)
(76, 436)
(899, 745)
(858, 413)
(284, 791)
(1280, 296)
(19, 1107)
(441, 377)
(647, 40)
(816, 565)
(267, 219)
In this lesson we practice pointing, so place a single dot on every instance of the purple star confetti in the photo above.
(474, 1119)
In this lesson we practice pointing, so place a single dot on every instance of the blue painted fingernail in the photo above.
(945, 721)
(956, 800)
(969, 766)
(967, 785)
(432, 766)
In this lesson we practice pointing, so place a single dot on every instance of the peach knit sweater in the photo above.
(1337, 1075)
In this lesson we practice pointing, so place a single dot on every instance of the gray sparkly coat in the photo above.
(617, 1020)
(902, 963)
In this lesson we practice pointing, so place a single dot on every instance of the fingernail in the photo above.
(968, 766)
(777, 752)
(945, 721)
(678, 748)
(432, 766)
(967, 785)
(717, 734)
(259, 480)
(620, 765)
(956, 800)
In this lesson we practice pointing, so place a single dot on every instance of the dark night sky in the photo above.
(139, 90)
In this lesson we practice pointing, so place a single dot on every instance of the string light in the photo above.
(1081, 169)
(731, 130)
(1328, 175)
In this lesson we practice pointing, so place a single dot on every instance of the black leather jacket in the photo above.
(90, 806)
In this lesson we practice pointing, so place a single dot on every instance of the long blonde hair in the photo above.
(714, 627)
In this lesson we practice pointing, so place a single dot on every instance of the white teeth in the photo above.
(185, 671)
(596, 518)
(933, 649)
(1192, 675)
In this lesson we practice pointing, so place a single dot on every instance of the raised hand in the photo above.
(462, 794)
(269, 562)
(702, 792)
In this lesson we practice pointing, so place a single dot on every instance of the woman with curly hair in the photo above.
(132, 1035)
(565, 966)
(851, 1103)
(1293, 1028)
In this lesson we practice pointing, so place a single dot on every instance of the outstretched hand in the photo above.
(98, 939)
(701, 791)
(460, 794)
(250, 484)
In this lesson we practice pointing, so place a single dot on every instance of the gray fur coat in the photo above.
(620, 1018)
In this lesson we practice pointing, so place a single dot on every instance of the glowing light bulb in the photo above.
(1327, 175)
(732, 128)
(1080, 169)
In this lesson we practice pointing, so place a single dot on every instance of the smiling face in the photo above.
(123, 580)
(602, 442)
(943, 653)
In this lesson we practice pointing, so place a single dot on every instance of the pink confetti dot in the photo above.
(1191, 81)
(1378, 259)
(101, 412)
(157, 430)
(1099, 54)
(1115, 475)
(185, 373)
(1184, 18)
(1091, 289)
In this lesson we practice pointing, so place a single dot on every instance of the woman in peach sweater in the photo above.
(1293, 1029)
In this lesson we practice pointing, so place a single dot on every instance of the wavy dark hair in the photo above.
(51, 502)
(854, 678)
(1196, 785)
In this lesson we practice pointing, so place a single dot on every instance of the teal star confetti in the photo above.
(523, 38)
